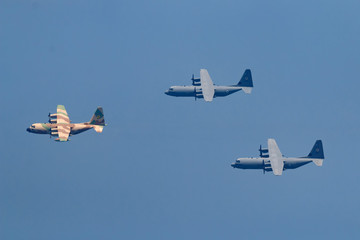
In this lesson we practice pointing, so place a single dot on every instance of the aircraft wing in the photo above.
(63, 122)
(206, 85)
(63, 132)
(275, 156)
(62, 116)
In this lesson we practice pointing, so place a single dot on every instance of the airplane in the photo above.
(59, 125)
(203, 87)
(271, 159)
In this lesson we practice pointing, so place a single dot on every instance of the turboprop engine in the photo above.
(52, 115)
(52, 118)
(198, 93)
(54, 132)
(195, 81)
(59, 140)
(264, 152)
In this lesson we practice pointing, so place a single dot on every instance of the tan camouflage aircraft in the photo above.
(60, 126)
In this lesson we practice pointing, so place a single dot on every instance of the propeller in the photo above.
(260, 151)
(263, 164)
(49, 117)
(194, 90)
(193, 82)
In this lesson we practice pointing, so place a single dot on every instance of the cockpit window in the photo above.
(171, 89)
(32, 126)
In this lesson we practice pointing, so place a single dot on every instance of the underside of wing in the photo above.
(275, 156)
(63, 121)
(63, 132)
(62, 116)
(206, 85)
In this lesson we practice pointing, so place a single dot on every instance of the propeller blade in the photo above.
(263, 165)
(260, 150)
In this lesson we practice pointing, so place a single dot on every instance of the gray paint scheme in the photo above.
(219, 91)
(192, 91)
(289, 163)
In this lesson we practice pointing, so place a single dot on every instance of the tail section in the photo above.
(98, 129)
(246, 81)
(98, 120)
(317, 153)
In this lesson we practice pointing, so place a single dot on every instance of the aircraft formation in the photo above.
(271, 159)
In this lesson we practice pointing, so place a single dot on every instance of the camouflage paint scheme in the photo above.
(60, 126)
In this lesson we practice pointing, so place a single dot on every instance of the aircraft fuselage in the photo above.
(264, 163)
(196, 91)
(45, 128)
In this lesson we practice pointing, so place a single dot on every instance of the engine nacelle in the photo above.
(53, 115)
(54, 133)
(267, 166)
(264, 152)
(199, 95)
(195, 81)
(59, 140)
(52, 120)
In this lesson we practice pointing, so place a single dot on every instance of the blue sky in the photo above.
(161, 168)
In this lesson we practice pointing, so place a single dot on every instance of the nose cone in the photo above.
(28, 129)
(233, 165)
(167, 92)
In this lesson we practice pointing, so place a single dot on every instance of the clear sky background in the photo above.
(161, 168)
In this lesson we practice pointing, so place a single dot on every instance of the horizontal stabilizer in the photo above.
(98, 129)
(247, 89)
(318, 162)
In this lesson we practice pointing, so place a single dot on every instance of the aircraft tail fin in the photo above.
(246, 81)
(317, 153)
(98, 118)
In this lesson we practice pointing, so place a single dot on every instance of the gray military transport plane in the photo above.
(60, 126)
(271, 159)
(203, 87)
